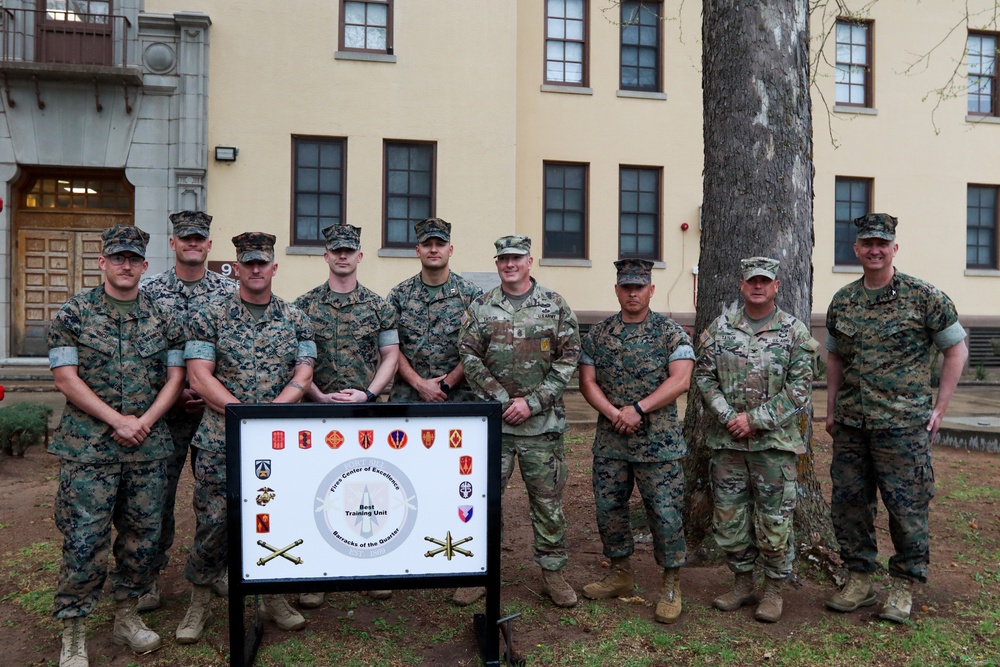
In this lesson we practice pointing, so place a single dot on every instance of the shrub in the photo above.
(23, 425)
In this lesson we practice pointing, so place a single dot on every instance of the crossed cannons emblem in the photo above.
(283, 552)
(448, 547)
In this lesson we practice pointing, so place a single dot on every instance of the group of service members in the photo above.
(119, 354)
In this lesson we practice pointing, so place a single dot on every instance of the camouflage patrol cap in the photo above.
(254, 247)
(634, 271)
(189, 223)
(513, 245)
(342, 236)
(759, 266)
(124, 238)
(876, 226)
(425, 229)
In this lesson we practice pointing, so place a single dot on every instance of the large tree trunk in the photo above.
(757, 198)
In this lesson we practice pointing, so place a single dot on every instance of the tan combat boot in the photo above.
(463, 597)
(769, 610)
(130, 631)
(221, 585)
(198, 615)
(857, 592)
(742, 594)
(618, 583)
(379, 595)
(311, 600)
(555, 587)
(668, 609)
(276, 608)
(74, 643)
(897, 606)
(150, 600)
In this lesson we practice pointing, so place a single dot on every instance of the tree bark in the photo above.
(757, 200)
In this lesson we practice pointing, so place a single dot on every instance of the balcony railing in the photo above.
(63, 37)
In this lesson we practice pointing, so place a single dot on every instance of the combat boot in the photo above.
(769, 610)
(380, 594)
(463, 597)
(130, 631)
(221, 585)
(668, 609)
(742, 594)
(857, 592)
(897, 606)
(311, 600)
(150, 600)
(276, 608)
(74, 643)
(198, 615)
(618, 583)
(561, 593)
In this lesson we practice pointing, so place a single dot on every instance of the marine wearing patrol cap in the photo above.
(759, 266)
(124, 238)
(190, 223)
(254, 247)
(513, 245)
(876, 226)
(432, 227)
(342, 236)
(634, 271)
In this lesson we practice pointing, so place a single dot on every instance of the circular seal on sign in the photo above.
(365, 508)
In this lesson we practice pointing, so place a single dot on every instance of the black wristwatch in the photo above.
(371, 397)
(445, 387)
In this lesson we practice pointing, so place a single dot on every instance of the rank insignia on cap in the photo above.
(455, 438)
(465, 490)
(397, 439)
(427, 437)
(464, 513)
(366, 438)
(465, 465)
(262, 468)
(263, 523)
(334, 439)
(264, 495)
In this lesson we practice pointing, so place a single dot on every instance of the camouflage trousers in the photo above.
(93, 497)
(544, 471)
(897, 463)
(182, 427)
(661, 487)
(208, 557)
(755, 494)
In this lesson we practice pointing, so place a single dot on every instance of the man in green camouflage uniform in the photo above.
(429, 309)
(881, 416)
(634, 366)
(117, 357)
(356, 341)
(520, 345)
(754, 372)
(251, 347)
(187, 282)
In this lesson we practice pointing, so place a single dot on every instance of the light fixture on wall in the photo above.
(226, 153)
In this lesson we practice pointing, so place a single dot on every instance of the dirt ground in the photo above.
(27, 487)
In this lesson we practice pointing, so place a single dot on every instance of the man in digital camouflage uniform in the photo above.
(754, 372)
(117, 357)
(189, 281)
(881, 415)
(429, 309)
(250, 347)
(520, 345)
(356, 340)
(634, 366)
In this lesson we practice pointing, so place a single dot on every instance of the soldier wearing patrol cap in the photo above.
(520, 345)
(179, 289)
(429, 309)
(881, 414)
(634, 366)
(754, 371)
(249, 347)
(356, 340)
(117, 357)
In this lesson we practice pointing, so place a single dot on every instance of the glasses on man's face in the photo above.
(118, 260)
